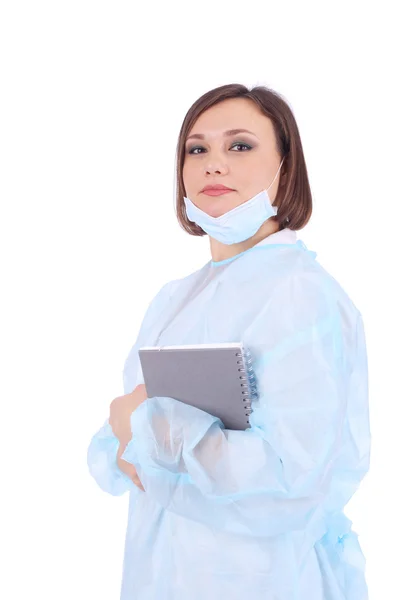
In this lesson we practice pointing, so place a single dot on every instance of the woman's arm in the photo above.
(271, 478)
(102, 453)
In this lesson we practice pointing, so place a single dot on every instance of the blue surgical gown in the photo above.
(252, 514)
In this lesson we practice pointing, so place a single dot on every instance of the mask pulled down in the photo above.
(238, 224)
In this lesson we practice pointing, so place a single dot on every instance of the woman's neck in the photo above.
(221, 251)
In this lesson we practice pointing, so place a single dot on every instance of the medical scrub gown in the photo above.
(255, 514)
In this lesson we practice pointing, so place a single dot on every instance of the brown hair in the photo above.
(293, 199)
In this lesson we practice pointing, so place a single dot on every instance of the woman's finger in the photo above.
(130, 470)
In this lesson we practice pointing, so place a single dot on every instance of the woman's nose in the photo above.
(216, 166)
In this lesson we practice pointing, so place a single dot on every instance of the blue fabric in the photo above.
(259, 513)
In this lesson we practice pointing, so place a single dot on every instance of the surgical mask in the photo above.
(238, 224)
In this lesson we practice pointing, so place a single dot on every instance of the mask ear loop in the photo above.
(287, 218)
(276, 174)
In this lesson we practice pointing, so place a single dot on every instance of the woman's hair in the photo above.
(293, 199)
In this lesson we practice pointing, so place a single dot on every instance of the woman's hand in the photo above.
(121, 409)
(128, 468)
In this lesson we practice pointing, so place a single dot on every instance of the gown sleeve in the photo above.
(103, 447)
(311, 372)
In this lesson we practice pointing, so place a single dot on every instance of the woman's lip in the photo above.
(217, 192)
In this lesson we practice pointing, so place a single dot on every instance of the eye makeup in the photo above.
(189, 149)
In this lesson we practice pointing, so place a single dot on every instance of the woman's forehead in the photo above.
(233, 114)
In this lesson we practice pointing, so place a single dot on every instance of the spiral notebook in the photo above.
(216, 378)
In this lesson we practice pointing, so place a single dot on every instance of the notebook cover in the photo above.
(216, 378)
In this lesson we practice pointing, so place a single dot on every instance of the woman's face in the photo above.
(245, 162)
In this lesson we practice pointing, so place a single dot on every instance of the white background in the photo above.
(92, 98)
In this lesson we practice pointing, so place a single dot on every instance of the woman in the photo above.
(252, 514)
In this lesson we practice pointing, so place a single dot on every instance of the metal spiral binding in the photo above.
(250, 385)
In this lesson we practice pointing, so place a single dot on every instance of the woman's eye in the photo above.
(240, 144)
(192, 150)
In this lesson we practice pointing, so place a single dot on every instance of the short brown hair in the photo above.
(293, 199)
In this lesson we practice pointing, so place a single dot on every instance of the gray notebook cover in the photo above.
(216, 378)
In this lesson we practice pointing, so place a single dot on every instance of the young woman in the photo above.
(257, 514)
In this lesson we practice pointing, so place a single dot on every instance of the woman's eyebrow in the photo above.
(200, 136)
